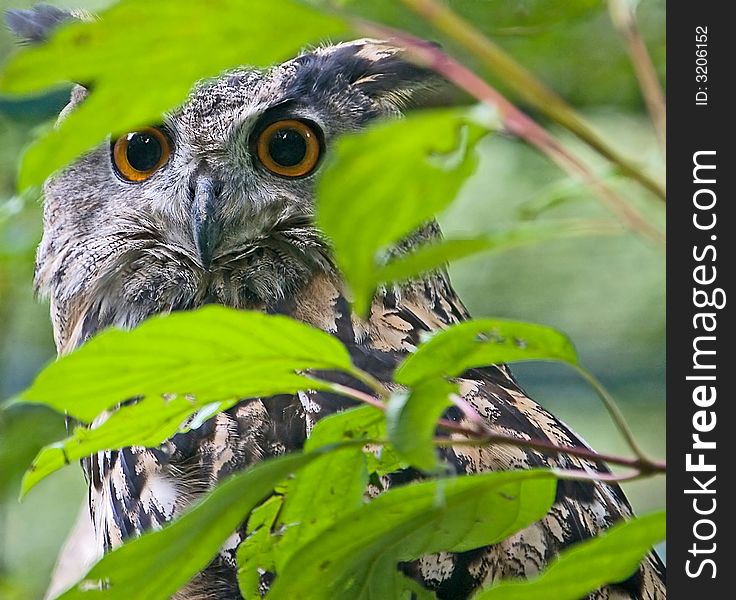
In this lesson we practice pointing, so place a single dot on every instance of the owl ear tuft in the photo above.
(35, 25)
(382, 71)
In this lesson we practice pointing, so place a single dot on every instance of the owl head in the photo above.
(215, 202)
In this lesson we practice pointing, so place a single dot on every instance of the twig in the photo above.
(469, 412)
(605, 477)
(344, 390)
(624, 19)
(526, 85)
(641, 465)
(614, 411)
(371, 382)
(475, 437)
(515, 122)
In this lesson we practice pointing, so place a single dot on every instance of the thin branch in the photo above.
(614, 411)
(344, 390)
(527, 86)
(371, 382)
(642, 465)
(605, 477)
(476, 437)
(624, 19)
(515, 122)
(469, 412)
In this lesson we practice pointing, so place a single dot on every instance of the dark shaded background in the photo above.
(606, 292)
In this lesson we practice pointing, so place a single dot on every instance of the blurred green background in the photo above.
(606, 292)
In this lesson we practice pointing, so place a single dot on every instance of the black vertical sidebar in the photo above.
(701, 260)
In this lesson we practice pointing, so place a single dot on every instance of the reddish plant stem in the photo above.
(525, 84)
(605, 477)
(514, 121)
(479, 436)
(643, 466)
(344, 390)
(624, 19)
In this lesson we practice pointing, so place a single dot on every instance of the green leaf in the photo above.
(411, 421)
(436, 255)
(351, 558)
(482, 342)
(411, 589)
(255, 553)
(146, 423)
(319, 495)
(159, 563)
(142, 58)
(212, 353)
(518, 17)
(362, 422)
(363, 214)
(607, 558)
(316, 497)
(23, 431)
(430, 257)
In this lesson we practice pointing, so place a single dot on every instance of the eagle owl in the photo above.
(215, 205)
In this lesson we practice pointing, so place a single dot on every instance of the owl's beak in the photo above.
(205, 228)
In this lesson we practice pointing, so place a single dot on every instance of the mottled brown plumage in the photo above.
(115, 252)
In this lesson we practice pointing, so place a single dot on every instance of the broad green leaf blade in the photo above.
(362, 422)
(212, 353)
(430, 257)
(23, 432)
(159, 563)
(411, 421)
(607, 558)
(516, 19)
(255, 554)
(412, 589)
(142, 58)
(153, 420)
(147, 423)
(359, 423)
(395, 584)
(483, 342)
(319, 495)
(350, 559)
(370, 200)
(433, 256)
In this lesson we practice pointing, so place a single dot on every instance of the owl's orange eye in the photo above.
(139, 154)
(289, 148)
